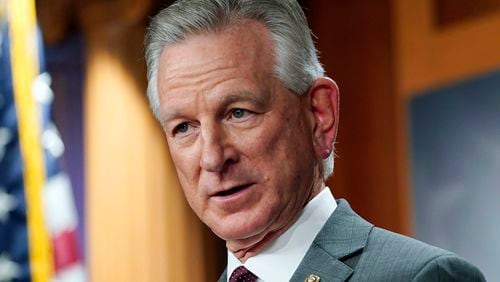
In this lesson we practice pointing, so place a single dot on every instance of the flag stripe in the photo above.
(65, 251)
(24, 61)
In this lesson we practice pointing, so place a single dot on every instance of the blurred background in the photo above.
(418, 146)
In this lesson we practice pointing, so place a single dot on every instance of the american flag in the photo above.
(37, 223)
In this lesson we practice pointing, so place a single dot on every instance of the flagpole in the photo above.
(24, 61)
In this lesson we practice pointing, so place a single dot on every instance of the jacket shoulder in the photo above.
(449, 268)
(388, 256)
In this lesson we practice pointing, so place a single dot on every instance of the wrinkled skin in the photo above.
(247, 151)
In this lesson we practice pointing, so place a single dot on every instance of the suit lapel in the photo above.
(343, 236)
(319, 262)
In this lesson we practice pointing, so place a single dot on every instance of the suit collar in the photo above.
(344, 235)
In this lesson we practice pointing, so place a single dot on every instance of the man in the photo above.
(250, 122)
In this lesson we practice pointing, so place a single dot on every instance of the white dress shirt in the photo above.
(279, 260)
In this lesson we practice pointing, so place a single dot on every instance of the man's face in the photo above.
(241, 143)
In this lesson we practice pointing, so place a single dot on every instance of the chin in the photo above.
(240, 228)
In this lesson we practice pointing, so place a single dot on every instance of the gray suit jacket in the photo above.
(348, 248)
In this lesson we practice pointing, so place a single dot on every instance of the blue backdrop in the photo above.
(455, 133)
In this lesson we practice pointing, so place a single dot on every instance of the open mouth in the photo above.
(233, 190)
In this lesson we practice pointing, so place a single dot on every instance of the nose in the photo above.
(217, 151)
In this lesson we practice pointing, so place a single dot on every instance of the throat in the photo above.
(243, 254)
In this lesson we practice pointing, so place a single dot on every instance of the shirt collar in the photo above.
(280, 259)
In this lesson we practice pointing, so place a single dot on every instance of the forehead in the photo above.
(201, 60)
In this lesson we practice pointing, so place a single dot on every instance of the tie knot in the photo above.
(241, 274)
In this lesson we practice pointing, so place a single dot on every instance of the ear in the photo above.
(324, 95)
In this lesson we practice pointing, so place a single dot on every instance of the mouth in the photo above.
(233, 191)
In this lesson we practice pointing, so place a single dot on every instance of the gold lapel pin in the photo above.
(312, 278)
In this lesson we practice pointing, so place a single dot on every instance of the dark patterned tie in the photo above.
(241, 274)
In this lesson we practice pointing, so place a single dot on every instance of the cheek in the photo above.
(280, 142)
(187, 180)
(292, 153)
(261, 144)
(184, 162)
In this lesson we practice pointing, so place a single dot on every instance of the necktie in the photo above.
(241, 274)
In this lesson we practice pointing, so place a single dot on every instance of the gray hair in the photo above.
(297, 64)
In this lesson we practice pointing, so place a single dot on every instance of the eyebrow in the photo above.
(243, 96)
(232, 97)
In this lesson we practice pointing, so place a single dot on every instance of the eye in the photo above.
(239, 113)
(181, 128)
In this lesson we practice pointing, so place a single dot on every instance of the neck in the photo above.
(254, 245)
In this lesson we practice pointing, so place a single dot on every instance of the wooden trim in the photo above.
(428, 56)
(413, 42)
(464, 50)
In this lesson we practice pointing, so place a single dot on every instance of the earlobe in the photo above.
(324, 95)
